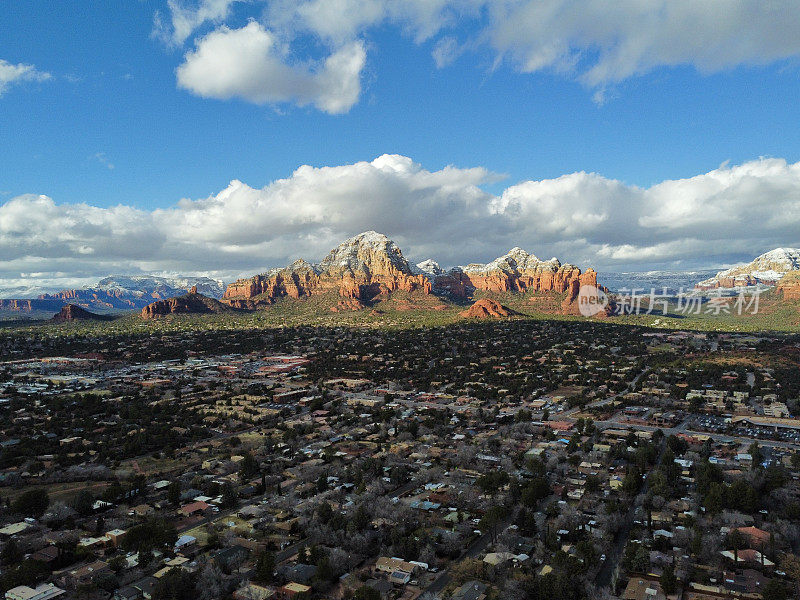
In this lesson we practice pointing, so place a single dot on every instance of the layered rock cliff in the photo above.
(516, 271)
(31, 304)
(361, 268)
(789, 286)
(191, 303)
(370, 266)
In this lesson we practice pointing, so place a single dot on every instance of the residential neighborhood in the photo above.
(510, 460)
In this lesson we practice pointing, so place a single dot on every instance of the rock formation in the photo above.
(486, 308)
(767, 269)
(370, 266)
(789, 286)
(191, 303)
(517, 271)
(72, 312)
(117, 293)
(30, 305)
(361, 268)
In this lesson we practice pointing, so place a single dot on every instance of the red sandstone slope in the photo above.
(486, 308)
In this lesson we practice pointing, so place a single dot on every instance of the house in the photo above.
(47, 555)
(186, 544)
(142, 511)
(195, 508)
(399, 577)
(301, 573)
(643, 589)
(45, 591)
(292, 590)
(391, 565)
(748, 556)
(230, 558)
(116, 536)
(85, 574)
(756, 538)
(13, 529)
(497, 558)
(471, 590)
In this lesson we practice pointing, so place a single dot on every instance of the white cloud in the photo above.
(723, 216)
(250, 63)
(606, 42)
(11, 73)
(596, 42)
(599, 42)
(341, 21)
(185, 19)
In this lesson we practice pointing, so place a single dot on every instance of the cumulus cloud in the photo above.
(596, 42)
(11, 74)
(599, 42)
(726, 215)
(250, 63)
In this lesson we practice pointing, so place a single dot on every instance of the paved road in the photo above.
(606, 572)
(476, 548)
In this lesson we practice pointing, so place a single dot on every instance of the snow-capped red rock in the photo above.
(370, 265)
(515, 271)
(767, 269)
(364, 253)
(428, 267)
(515, 260)
(120, 292)
(360, 268)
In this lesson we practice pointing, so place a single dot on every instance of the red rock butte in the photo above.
(191, 303)
(486, 308)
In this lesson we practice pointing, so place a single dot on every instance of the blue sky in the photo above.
(125, 104)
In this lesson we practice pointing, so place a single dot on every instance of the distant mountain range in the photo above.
(116, 293)
(368, 268)
(673, 281)
(765, 270)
